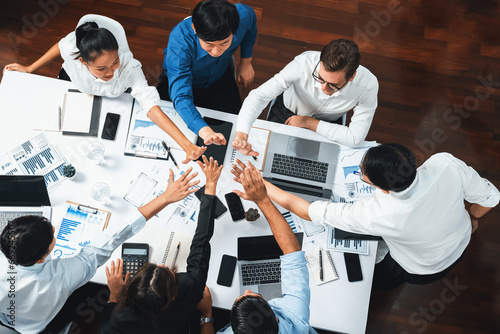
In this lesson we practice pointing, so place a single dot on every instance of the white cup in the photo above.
(95, 152)
(101, 192)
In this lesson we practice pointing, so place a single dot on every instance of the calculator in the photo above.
(134, 256)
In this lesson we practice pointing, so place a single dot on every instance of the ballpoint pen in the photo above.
(320, 264)
(176, 253)
(169, 154)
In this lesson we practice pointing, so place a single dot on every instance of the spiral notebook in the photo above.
(259, 138)
(329, 271)
(167, 252)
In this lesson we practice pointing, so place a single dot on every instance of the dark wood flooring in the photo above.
(438, 65)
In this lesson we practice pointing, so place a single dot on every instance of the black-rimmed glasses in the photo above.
(330, 85)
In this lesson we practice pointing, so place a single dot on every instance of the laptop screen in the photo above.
(261, 247)
(27, 190)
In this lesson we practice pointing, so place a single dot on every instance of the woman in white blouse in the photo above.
(98, 61)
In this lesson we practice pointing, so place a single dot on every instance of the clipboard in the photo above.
(78, 227)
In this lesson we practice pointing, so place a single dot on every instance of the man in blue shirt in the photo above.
(290, 314)
(198, 63)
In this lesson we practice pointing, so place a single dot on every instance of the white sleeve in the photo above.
(146, 95)
(355, 133)
(344, 216)
(258, 98)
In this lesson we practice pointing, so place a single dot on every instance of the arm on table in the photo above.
(43, 61)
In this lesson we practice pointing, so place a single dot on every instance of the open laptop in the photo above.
(301, 165)
(260, 265)
(21, 196)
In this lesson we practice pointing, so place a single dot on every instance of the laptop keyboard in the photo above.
(5, 217)
(261, 273)
(301, 168)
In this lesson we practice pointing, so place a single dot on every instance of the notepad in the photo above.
(329, 270)
(259, 138)
(164, 247)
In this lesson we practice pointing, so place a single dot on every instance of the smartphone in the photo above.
(226, 270)
(218, 152)
(235, 206)
(134, 256)
(353, 267)
(110, 126)
(220, 208)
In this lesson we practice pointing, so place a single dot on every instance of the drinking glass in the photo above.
(95, 152)
(101, 192)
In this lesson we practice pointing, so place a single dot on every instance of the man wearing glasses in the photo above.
(314, 91)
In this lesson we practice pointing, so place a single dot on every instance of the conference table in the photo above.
(338, 305)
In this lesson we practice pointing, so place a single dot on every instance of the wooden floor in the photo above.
(438, 65)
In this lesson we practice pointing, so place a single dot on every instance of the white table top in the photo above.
(338, 305)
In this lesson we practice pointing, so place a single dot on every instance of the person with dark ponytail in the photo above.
(99, 62)
(160, 299)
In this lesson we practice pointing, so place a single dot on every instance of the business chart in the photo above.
(36, 156)
(145, 137)
(79, 226)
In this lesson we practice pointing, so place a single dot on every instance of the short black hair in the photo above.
(150, 293)
(390, 167)
(215, 20)
(26, 239)
(92, 41)
(252, 314)
(341, 55)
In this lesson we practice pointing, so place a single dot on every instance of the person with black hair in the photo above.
(159, 299)
(40, 285)
(419, 212)
(288, 314)
(314, 91)
(198, 64)
(100, 63)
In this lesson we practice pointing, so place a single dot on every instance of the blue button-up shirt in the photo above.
(292, 310)
(188, 66)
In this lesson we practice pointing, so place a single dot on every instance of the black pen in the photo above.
(169, 154)
(254, 157)
(176, 254)
(320, 264)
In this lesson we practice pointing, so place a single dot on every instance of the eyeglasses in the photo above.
(360, 174)
(330, 85)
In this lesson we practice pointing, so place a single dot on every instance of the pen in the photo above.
(320, 264)
(169, 154)
(254, 157)
(176, 253)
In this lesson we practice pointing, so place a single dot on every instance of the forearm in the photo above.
(281, 230)
(478, 211)
(166, 124)
(288, 201)
(207, 328)
(153, 207)
(47, 58)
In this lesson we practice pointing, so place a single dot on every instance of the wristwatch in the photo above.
(204, 320)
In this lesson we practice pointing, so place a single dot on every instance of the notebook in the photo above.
(23, 195)
(301, 165)
(163, 251)
(259, 138)
(329, 270)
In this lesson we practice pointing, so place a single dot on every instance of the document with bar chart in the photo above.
(346, 245)
(79, 226)
(36, 156)
(144, 136)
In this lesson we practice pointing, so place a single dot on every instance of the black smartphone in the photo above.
(235, 206)
(220, 208)
(353, 267)
(110, 126)
(218, 152)
(226, 271)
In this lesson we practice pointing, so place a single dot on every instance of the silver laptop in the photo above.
(260, 265)
(21, 196)
(301, 165)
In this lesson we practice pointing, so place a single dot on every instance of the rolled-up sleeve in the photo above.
(146, 95)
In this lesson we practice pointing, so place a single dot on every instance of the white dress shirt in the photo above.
(303, 95)
(129, 74)
(425, 226)
(42, 289)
